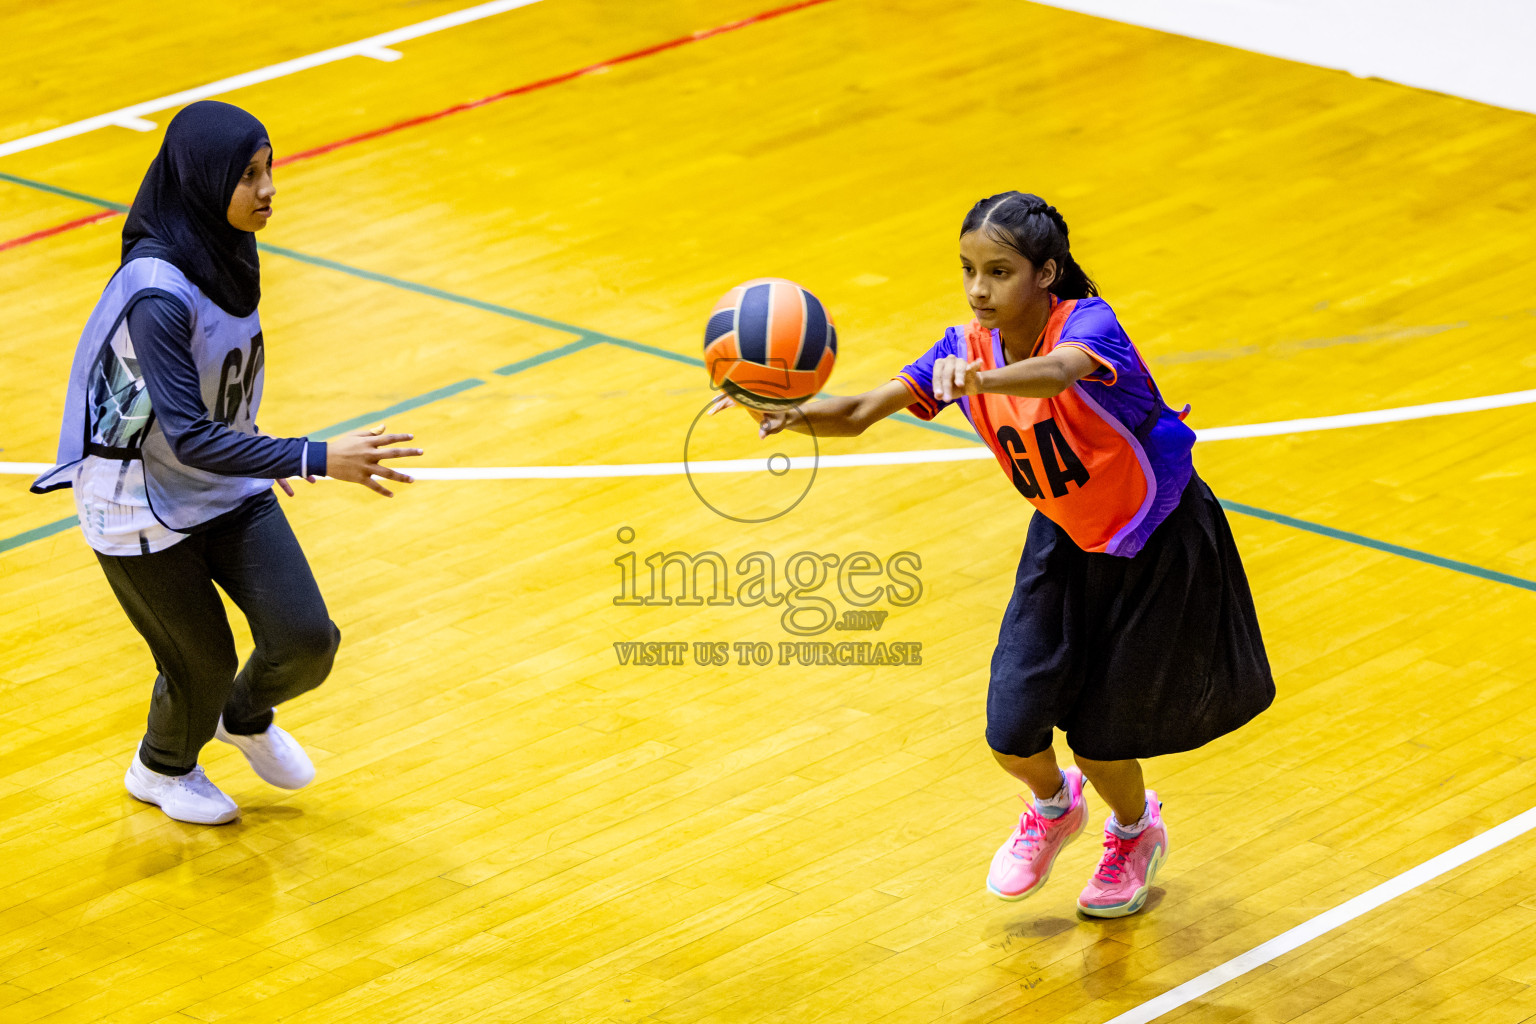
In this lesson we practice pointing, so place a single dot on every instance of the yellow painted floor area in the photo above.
(508, 824)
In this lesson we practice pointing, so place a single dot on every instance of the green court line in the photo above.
(425, 289)
(357, 422)
(1379, 545)
(344, 268)
(587, 338)
(38, 533)
(665, 353)
(544, 357)
(43, 186)
(942, 428)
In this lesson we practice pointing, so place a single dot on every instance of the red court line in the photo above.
(58, 229)
(544, 83)
(459, 108)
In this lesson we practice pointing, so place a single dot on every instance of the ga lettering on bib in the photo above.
(1106, 460)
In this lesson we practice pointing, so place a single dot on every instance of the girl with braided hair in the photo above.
(1131, 625)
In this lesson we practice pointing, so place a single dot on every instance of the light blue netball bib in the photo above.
(108, 416)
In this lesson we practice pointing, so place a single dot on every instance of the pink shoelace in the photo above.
(1032, 826)
(1116, 850)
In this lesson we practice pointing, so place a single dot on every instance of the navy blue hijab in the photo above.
(181, 212)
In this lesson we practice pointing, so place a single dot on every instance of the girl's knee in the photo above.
(322, 643)
(1011, 740)
(312, 645)
(1087, 764)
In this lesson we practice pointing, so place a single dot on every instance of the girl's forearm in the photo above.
(1027, 378)
(828, 417)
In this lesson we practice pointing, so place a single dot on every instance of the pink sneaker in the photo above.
(1127, 869)
(1023, 863)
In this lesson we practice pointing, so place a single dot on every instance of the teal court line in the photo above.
(1379, 545)
(43, 186)
(586, 338)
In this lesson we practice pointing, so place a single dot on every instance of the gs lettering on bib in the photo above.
(237, 383)
(1106, 460)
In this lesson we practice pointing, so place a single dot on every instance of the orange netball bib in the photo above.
(1070, 457)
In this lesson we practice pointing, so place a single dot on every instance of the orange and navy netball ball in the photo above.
(769, 344)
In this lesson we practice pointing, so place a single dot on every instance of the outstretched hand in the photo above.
(768, 423)
(357, 458)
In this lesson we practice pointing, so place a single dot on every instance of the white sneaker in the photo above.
(275, 755)
(190, 797)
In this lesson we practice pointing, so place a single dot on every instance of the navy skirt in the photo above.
(1132, 657)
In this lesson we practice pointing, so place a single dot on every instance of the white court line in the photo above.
(1328, 920)
(377, 47)
(1360, 419)
(924, 456)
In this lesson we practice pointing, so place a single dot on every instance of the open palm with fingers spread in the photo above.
(358, 458)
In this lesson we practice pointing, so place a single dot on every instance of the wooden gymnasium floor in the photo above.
(509, 825)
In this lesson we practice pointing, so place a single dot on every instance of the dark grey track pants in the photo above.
(170, 599)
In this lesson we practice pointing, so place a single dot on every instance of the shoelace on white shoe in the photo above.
(197, 780)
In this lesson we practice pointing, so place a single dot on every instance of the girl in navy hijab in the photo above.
(173, 480)
(188, 212)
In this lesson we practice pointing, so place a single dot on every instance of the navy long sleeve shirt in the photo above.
(161, 329)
